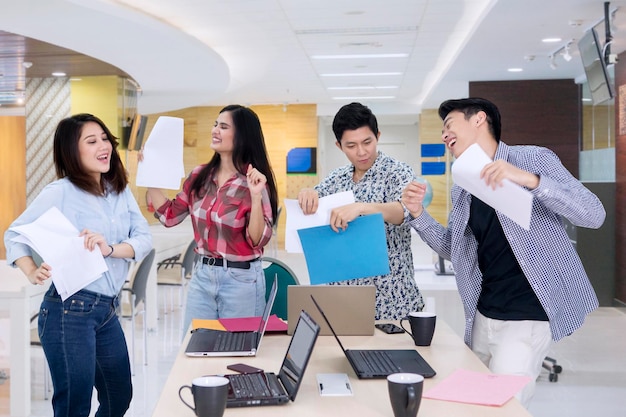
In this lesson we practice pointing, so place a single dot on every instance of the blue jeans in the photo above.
(85, 347)
(216, 291)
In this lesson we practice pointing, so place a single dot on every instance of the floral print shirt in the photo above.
(396, 293)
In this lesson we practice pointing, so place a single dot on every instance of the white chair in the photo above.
(175, 273)
(133, 302)
(35, 341)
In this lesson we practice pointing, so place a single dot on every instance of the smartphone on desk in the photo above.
(389, 328)
(242, 368)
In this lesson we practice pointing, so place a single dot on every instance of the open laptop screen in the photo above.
(298, 354)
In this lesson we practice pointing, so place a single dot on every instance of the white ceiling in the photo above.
(214, 52)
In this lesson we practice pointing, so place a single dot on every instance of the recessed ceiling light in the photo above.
(360, 74)
(515, 70)
(359, 56)
(551, 40)
(58, 74)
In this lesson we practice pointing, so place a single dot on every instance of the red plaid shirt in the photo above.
(220, 219)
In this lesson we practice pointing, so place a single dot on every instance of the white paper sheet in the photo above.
(510, 199)
(296, 219)
(56, 240)
(162, 165)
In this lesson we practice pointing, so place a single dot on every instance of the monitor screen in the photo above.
(595, 68)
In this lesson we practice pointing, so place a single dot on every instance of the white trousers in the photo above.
(513, 348)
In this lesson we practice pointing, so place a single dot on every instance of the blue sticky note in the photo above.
(358, 252)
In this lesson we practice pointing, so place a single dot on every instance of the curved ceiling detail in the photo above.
(173, 69)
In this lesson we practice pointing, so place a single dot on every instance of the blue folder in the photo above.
(358, 252)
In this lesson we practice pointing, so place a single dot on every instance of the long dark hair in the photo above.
(67, 158)
(248, 148)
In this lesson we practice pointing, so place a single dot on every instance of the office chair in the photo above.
(135, 303)
(276, 268)
(551, 366)
(35, 341)
(175, 273)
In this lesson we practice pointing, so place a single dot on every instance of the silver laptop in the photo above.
(352, 308)
(267, 388)
(209, 342)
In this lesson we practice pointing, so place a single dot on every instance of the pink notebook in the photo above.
(251, 324)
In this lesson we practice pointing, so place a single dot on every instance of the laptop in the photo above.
(352, 308)
(267, 388)
(209, 342)
(369, 364)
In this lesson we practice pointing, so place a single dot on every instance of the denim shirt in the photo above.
(545, 253)
(116, 216)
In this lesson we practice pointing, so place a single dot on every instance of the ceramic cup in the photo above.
(405, 393)
(422, 325)
(209, 395)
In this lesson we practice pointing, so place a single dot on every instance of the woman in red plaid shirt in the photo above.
(232, 201)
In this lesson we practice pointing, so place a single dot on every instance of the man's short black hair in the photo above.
(352, 117)
(471, 106)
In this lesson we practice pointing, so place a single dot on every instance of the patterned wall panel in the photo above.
(48, 102)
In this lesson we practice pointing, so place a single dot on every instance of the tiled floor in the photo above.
(592, 383)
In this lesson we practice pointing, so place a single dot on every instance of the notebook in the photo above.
(267, 388)
(210, 342)
(381, 363)
(352, 308)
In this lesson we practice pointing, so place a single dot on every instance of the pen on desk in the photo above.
(348, 386)
(321, 387)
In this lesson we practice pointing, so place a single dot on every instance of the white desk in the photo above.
(16, 293)
(446, 354)
(167, 242)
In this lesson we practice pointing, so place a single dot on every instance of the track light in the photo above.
(563, 51)
(552, 62)
(566, 54)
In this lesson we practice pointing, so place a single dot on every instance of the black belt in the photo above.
(229, 264)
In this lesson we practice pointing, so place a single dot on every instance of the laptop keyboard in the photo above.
(375, 360)
(227, 341)
(249, 385)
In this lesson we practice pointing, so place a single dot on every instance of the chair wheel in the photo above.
(557, 369)
(553, 377)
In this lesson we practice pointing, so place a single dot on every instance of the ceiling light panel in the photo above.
(361, 56)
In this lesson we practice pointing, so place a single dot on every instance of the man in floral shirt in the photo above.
(377, 181)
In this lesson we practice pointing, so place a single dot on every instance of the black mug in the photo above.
(209, 395)
(422, 325)
(405, 393)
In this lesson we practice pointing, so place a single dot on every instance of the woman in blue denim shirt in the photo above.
(81, 336)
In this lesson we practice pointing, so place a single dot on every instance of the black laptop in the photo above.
(369, 364)
(267, 388)
(210, 342)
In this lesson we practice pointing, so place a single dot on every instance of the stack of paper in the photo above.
(56, 240)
